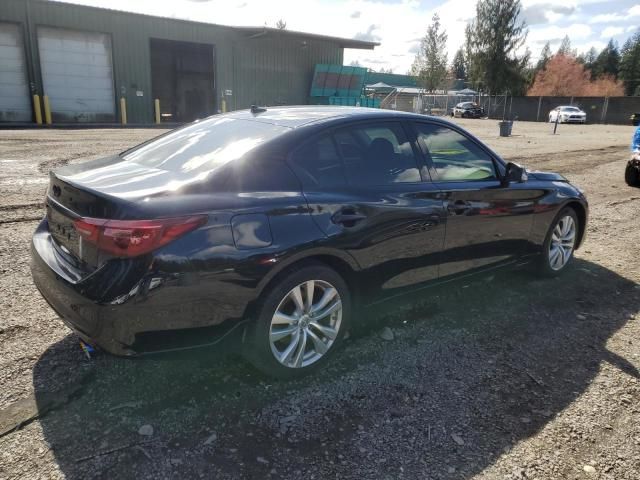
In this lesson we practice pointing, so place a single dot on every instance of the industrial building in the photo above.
(65, 63)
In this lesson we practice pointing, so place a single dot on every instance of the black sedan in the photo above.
(279, 222)
(467, 110)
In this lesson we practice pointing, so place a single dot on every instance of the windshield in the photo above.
(570, 109)
(204, 146)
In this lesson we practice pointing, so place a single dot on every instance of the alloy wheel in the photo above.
(305, 324)
(563, 240)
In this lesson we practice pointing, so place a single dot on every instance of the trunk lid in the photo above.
(107, 188)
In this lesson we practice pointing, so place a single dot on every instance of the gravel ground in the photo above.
(501, 376)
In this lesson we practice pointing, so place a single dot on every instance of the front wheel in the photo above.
(559, 243)
(300, 323)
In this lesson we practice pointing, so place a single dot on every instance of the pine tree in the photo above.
(458, 68)
(493, 40)
(608, 62)
(588, 59)
(430, 63)
(545, 55)
(565, 47)
(630, 65)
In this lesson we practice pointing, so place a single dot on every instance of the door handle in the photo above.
(347, 217)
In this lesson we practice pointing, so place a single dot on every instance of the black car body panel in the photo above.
(263, 216)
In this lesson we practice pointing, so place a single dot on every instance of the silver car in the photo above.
(567, 114)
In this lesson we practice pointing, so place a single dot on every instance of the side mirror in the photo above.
(515, 173)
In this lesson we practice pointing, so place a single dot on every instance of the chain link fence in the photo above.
(612, 110)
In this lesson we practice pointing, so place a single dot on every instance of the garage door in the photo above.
(15, 104)
(77, 74)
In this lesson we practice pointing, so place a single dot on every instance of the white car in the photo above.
(567, 114)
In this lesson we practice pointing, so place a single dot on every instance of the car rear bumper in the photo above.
(158, 312)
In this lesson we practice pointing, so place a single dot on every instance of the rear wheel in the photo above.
(300, 323)
(559, 243)
(632, 174)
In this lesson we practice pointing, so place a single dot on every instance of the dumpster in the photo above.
(505, 128)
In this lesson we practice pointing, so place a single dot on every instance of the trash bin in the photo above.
(505, 128)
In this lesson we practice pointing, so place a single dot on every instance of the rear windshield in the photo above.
(204, 146)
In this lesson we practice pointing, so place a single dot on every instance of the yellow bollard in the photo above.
(47, 109)
(123, 111)
(224, 105)
(157, 106)
(36, 108)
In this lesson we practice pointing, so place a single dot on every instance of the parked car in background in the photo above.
(279, 223)
(467, 110)
(567, 114)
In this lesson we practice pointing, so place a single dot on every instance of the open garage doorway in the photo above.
(183, 79)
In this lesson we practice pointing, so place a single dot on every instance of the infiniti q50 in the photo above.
(281, 223)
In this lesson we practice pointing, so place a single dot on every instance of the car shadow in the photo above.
(477, 365)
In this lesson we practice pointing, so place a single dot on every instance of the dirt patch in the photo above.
(504, 376)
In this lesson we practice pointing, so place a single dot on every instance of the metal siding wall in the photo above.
(15, 102)
(273, 70)
(268, 70)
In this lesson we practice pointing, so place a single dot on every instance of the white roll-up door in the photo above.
(15, 103)
(77, 74)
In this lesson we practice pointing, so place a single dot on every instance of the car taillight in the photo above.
(130, 238)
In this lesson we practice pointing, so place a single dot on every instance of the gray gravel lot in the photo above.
(503, 376)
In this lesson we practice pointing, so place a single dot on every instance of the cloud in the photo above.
(375, 61)
(368, 36)
(552, 33)
(544, 12)
(607, 18)
(355, 14)
(414, 49)
(634, 11)
(611, 32)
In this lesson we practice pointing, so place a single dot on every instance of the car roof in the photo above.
(568, 106)
(298, 116)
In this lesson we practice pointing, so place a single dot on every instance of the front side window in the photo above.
(377, 154)
(455, 157)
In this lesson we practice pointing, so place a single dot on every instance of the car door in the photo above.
(370, 193)
(488, 222)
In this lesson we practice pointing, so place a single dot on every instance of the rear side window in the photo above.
(318, 164)
(378, 154)
(204, 146)
(455, 157)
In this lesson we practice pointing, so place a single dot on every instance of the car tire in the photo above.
(290, 336)
(632, 174)
(560, 240)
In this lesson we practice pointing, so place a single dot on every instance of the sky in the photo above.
(398, 25)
